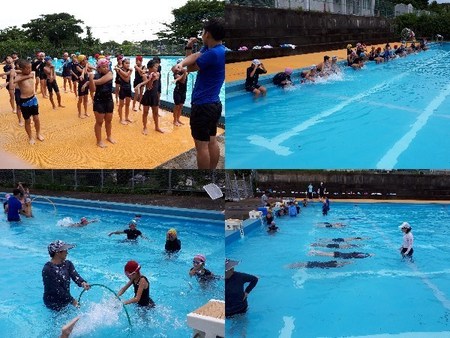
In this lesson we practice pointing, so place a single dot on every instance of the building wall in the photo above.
(310, 31)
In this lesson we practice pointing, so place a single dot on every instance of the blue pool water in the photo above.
(167, 62)
(379, 295)
(101, 259)
(393, 115)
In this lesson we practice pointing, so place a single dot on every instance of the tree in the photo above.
(56, 28)
(189, 19)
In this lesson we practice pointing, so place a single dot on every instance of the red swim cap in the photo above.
(132, 266)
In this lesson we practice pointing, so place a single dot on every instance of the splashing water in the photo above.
(99, 315)
(65, 222)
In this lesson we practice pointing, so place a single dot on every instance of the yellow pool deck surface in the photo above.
(70, 141)
(237, 71)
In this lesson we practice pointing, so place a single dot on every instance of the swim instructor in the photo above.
(56, 276)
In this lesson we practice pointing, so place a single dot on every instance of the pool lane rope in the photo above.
(112, 291)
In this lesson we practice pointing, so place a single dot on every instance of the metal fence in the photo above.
(114, 181)
(238, 187)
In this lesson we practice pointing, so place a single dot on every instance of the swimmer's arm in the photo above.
(21, 77)
(125, 288)
(189, 62)
(103, 79)
(125, 75)
(47, 71)
(141, 71)
(118, 232)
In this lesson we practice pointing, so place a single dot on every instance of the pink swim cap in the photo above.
(102, 62)
(288, 71)
(200, 258)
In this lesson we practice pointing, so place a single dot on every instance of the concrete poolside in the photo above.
(237, 71)
(70, 141)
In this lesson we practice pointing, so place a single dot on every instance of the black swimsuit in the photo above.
(145, 297)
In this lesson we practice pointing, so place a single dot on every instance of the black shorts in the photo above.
(103, 107)
(136, 82)
(74, 78)
(310, 195)
(150, 99)
(204, 119)
(43, 76)
(27, 109)
(52, 86)
(410, 251)
(85, 91)
(179, 97)
(17, 96)
(252, 88)
(125, 91)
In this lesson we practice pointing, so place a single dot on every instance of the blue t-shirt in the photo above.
(210, 76)
(14, 206)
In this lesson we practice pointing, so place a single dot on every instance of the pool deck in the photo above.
(70, 141)
(237, 71)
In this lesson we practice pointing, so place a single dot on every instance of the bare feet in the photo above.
(124, 122)
(31, 141)
(135, 109)
(128, 120)
(111, 140)
(145, 131)
(21, 123)
(81, 116)
(87, 115)
(161, 131)
(180, 122)
(176, 124)
(40, 137)
(61, 106)
(101, 144)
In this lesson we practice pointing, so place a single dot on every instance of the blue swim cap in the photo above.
(47, 58)
(179, 60)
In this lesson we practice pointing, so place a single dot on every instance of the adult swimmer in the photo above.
(316, 264)
(338, 254)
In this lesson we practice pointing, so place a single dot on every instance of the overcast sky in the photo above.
(132, 21)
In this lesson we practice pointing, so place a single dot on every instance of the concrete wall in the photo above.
(426, 186)
(310, 31)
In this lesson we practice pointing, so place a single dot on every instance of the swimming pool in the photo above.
(100, 259)
(392, 115)
(378, 295)
(167, 62)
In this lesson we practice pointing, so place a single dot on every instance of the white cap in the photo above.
(256, 62)
(405, 225)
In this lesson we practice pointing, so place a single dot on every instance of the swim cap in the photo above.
(119, 57)
(138, 57)
(256, 62)
(81, 57)
(405, 225)
(179, 60)
(102, 63)
(83, 219)
(41, 54)
(313, 66)
(58, 246)
(66, 54)
(288, 70)
(132, 222)
(132, 267)
(96, 55)
(47, 58)
(172, 231)
(334, 57)
(349, 46)
(200, 258)
(125, 60)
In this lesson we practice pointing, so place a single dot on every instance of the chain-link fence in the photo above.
(238, 187)
(114, 181)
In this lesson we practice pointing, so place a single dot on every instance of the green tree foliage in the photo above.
(189, 19)
(56, 28)
(425, 25)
